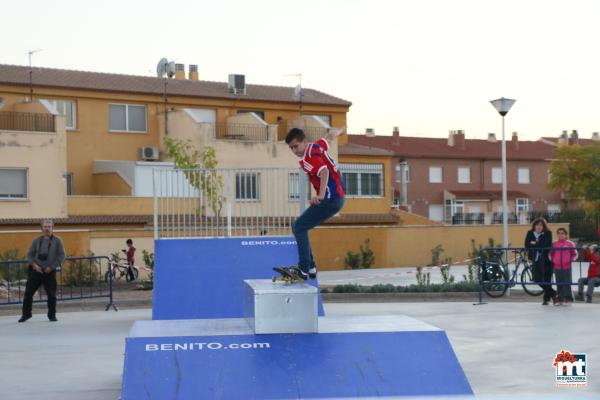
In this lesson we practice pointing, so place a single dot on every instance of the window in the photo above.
(68, 108)
(261, 114)
(522, 205)
(464, 175)
(523, 175)
(325, 118)
(553, 208)
(436, 212)
(496, 175)
(69, 178)
(127, 118)
(247, 186)
(454, 209)
(435, 174)
(13, 183)
(363, 179)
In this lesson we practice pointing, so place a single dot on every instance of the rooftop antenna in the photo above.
(30, 53)
(165, 69)
(298, 92)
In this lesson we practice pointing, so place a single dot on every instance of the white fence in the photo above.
(227, 202)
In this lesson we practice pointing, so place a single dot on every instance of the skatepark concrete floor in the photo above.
(506, 349)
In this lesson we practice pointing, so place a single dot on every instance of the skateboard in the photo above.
(287, 275)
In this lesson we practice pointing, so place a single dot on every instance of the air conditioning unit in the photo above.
(237, 84)
(149, 153)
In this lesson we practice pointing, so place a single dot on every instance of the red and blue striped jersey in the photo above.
(316, 157)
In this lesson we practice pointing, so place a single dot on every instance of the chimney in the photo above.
(574, 137)
(457, 139)
(237, 84)
(396, 136)
(193, 72)
(515, 140)
(180, 71)
(370, 132)
(563, 138)
(451, 138)
(491, 137)
(595, 136)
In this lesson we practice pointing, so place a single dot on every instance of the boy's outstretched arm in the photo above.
(333, 133)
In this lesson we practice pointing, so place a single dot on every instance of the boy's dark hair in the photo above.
(562, 230)
(539, 221)
(129, 241)
(295, 133)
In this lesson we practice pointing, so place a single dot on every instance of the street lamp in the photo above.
(503, 105)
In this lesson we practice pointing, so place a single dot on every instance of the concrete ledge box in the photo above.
(275, 307)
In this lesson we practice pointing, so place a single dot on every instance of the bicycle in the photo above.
(496, 277)
(118, 267)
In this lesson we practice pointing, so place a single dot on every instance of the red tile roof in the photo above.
(583, 142)
(70, 79)
(423, 147)
(83, 220)
(486, 194)
(351, 149)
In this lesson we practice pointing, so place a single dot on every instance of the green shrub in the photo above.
(77, 273)
(13, 271)
(389, 288)
(148, 284)
(352, 260)
(364, 259)
(366, 255)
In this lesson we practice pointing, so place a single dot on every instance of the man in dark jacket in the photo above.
(46, 253)
(538, 242)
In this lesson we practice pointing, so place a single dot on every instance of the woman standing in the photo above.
(538, 242)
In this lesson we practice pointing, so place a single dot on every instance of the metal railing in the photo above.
(227, 202)
(501, 268)
(242, 132)
(314, 133)
(28, 122)
(78, 278)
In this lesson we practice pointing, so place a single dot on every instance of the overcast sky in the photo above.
(426, 66)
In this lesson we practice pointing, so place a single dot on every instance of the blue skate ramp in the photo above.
(350, 357)
(204, 278)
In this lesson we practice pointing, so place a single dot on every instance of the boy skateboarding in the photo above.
(328, 200)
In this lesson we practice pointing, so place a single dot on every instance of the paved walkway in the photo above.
(505, 348)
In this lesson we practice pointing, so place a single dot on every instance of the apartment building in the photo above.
(459, 180)
(115, 125)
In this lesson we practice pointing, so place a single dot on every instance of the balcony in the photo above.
(230, 131)
(26, 122)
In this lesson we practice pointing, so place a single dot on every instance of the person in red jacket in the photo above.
(130, 251)
(591, 255)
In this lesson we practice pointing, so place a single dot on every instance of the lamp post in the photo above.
(503, 105)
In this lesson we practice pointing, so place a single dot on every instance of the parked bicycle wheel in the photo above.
(107, 275)
(494, 277)
(527, 277)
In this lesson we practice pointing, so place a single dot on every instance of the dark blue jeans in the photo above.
(311, 217)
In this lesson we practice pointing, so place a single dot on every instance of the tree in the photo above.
(200, 170)
(575, 171)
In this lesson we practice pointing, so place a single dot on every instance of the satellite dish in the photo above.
(170, 69)
(161, 67)
(298, 91)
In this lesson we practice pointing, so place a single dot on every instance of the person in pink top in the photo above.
(563, 253)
